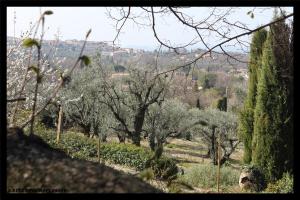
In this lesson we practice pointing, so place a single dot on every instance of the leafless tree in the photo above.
(215, 24)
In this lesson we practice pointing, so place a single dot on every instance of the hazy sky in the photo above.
(74, 22)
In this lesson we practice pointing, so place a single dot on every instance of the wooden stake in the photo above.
(59, 124)
(98, 148)
(218, 176)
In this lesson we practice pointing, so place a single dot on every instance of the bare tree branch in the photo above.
(124, 21)
(226, 41)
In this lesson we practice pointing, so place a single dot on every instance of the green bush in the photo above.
(49, 116)
(124, 154)
(283, 185)
(208, 80)
(164, 168)
(205, 176)
(74, 145)
(257, 177)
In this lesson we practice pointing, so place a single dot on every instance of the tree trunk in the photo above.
(158, 150)
(136, 139)
(151, 139)
(121, 137)
(213, 152)
(228, 153)
(138, 124)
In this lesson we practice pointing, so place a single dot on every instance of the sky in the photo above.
(74, 22)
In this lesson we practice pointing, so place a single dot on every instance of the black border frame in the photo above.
(100, 3)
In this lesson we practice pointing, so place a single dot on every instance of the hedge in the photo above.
(124, 154)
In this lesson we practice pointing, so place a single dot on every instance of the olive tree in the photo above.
(164, 120)
(215, 125)
(129, 98)
(81, 100)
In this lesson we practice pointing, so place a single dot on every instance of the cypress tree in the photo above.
(222, 104)
(271, 150)
(247, 114)
(198, 105)
(283, 52)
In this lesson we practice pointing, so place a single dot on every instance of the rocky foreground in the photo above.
(33, 166)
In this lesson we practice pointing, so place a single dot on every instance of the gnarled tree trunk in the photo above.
(138, 124)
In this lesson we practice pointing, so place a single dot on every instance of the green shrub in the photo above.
(256, 176)
(137, 157)
(205, 176)
(283, 185)
(74, 145)
(48, 116)
(124, 154)
(164, 168)
(147, 174)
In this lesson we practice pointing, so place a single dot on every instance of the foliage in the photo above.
(29, 42)
(256, 176)
(222, 104)
(205, 176)
(208, 80)
(86, 60)
(21, 79)
(147, 174)
(208, 96)
(211, 124)
(272, 139)
(81, 103)
(38, 79)
(124, 154)
(129, 98)
(283, 185)
(48, 117)
(74, 145)
(164, 168)
(165, 120)
(247, 114)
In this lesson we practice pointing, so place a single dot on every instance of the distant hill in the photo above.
(70, 49)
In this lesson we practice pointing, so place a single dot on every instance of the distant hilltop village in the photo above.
(106, 47)
(69, 49)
